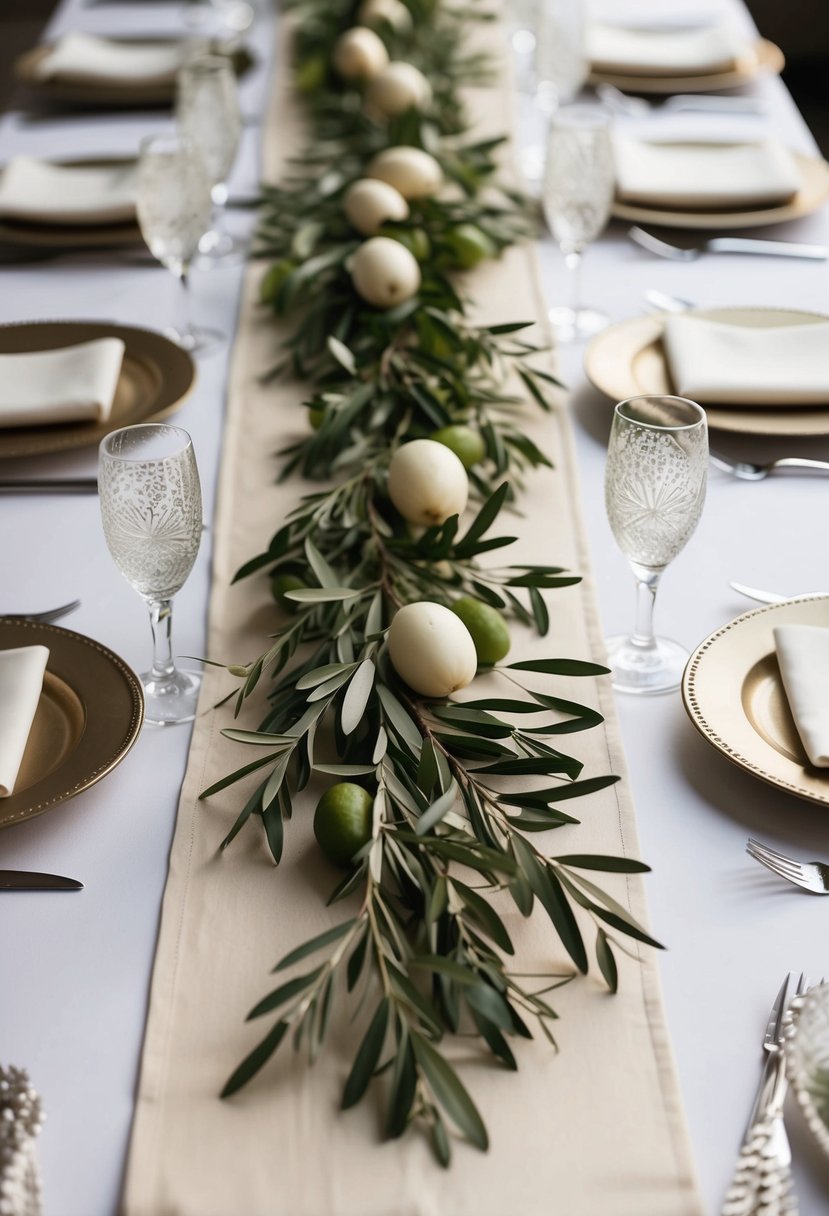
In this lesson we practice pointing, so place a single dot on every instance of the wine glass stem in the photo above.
(646, 584)
(186, 325)
(161, 623)
(219, 195)
(572, 260)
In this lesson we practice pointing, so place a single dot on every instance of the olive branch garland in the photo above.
(426, 949)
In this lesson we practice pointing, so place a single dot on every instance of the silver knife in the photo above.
(50, 485)
(29, 880)
(783, 249)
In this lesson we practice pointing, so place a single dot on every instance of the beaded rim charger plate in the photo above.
(813, 193)
(88, 717)
(155, 378)
(733, 694)
(628, 359)
(767, 58)
(42, 234)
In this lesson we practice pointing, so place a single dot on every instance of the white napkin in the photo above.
(37, 190)
(658, 50)
(72, 384)
(700, 175)
(719, 363)
(83, 57)
(21, 679)
(803, 654)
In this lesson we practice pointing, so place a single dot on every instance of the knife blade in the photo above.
(60, 485)
(30, 880)
(49, 485)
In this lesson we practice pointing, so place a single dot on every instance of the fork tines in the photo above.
(781, 865)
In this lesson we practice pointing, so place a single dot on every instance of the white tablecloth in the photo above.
(74, 969)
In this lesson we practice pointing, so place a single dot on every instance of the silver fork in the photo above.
(637, 107)
(812, 876)
(42, 618)
(725, 244)
(747, 471)
(774, 597)
(762, 1179)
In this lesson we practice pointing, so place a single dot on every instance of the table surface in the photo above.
(75, 969)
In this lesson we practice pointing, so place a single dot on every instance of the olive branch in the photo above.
(425, 952)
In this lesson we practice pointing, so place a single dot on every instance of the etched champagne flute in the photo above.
(173, 204)
(655, 480)
(207, 112)
(557, 36)
(151, 507)
(561, 66)
(577, 195)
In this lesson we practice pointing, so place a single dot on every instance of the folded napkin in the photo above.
(84, 57)
(657, 50)
(72, 384)
(715, 362)
(704, 174)
(21, 679)
(43, 192)
(803, 655)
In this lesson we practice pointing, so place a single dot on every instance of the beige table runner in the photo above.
(597, 1130)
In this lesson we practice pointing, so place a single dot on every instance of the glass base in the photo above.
(577, 324)
(644, 670)
(218, 248)
(171, 702)
(198, 340)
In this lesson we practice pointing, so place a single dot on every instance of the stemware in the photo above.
(173, 204)
(577, 196)
(151, 509)
(654, 492)
(522, 21)
(207, 111)
(561, 66)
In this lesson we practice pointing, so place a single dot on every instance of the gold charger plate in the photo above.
(109, 93)
(40, 234)
(734, 696)
(812, 194)
(628, 359)
(769, 58)
(88, 717)
(155, 378)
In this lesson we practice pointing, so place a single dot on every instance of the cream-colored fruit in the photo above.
(384, 272)
(431, 649)
(360, 54)
(412, 171)
(391, 11)
(369, 203)
(398, 88)
(427, 482)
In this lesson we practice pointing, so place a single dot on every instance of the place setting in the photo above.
(88, 71)
(70, 708)
(691, 49)
(102, 205)
(757, 370)
(708, 173)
